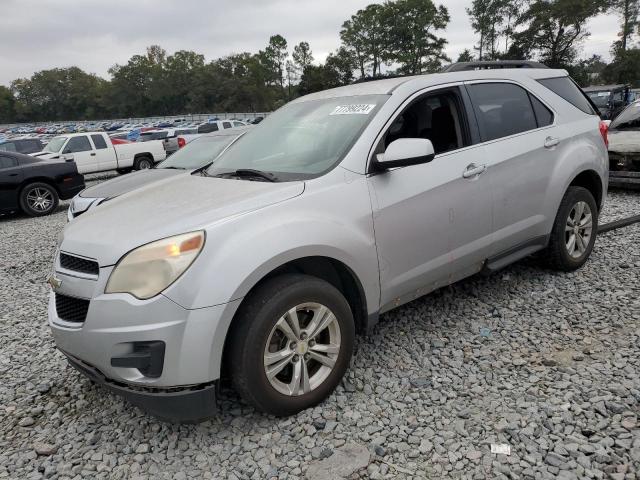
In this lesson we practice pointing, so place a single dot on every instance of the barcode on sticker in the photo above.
(356, 109)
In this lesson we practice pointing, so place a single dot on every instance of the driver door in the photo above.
(433, 222)
(83, 153)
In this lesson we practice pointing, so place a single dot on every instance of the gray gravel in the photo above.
(547, 364)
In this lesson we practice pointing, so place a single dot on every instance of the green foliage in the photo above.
(465, 56)
(624, 69)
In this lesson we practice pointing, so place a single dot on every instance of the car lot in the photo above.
(546, 363)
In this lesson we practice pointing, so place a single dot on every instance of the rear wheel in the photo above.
(574, 230)
(38, 199)
(291, 344)
(143, 163)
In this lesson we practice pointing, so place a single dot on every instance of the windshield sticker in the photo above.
(356, 109)
(603, 94)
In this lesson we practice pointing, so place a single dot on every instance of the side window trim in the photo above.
(529, 92)
(467, 121)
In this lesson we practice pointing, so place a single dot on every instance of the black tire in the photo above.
(122, 171)
(38, 199)
(557, 253)
(143, 162)
(254, 325)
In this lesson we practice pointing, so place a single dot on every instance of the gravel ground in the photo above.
(545, 363)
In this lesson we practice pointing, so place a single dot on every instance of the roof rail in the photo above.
(489, 65)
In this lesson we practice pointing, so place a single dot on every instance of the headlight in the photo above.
(148, 270)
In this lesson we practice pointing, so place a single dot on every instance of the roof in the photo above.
(386, 86)
(498, 64)
(599, 88)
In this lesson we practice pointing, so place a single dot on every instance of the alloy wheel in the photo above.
(302, 349)
(40, 199)
(578, 229)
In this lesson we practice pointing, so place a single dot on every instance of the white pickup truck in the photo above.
(94, 152)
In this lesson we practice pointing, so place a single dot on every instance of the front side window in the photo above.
(302, 139)
(77, 145)
(435, 117)
(502, 109)
(226, 124)
(8, 147)
(208, 128)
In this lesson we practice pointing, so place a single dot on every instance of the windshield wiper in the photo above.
(250, 172)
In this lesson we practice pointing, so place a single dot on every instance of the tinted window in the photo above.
(7, 162)
(208, 128)
(502, 109)
(567, 89)
(226, 124)
(78, 144)
(99, 142)
(544, 116)
(629, 119)
(8, 147)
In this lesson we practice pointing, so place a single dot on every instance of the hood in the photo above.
(624, 141)
(126, 183)
(178, 205)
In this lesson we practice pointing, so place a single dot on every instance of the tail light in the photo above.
(604, 131)
(181, 142)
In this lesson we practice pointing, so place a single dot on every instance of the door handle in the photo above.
(474, 170)
(93, 154)
(13, 174)
(551, 142)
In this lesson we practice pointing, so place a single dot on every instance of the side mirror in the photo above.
(404, 152)
(67, 157)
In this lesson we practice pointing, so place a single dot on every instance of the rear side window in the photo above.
(99, 142)
(544, 116)
(77, 144)
(226, 124)
(7, 162)
(567, 89)
(502, 109)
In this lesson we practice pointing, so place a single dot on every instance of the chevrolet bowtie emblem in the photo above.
(54, 282)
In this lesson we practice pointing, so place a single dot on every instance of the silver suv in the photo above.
(338, 207)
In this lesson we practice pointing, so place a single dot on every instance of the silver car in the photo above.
(338, 207)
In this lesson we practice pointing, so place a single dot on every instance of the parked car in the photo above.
(198, 154)
(610, 99)
(94, 152)
(338, 207)
(215, 125)
(169, 137)
(624, 148)
(22, 145)
(35, 186)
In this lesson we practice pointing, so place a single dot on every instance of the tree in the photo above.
(628, 11)
(552, 29)
(302, 56)
(486, 19)
(7, 105)
(365, 36)
(625, 68)
(412, 40)
(343, 64)
(465, 56)
(275, 56)
(588, 71)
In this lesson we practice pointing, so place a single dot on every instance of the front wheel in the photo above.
(574, 230)
(291, 344)
(38, 199)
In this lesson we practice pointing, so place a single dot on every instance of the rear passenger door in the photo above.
(520, 140)
(105, 155)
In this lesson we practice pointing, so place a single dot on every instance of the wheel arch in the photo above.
(590, 180)
(30, 180)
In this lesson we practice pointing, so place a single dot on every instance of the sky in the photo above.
(94, 35)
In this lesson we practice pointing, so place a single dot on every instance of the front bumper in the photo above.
(188, 405)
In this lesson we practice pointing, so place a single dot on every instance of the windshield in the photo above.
(629, 119)
(301, 140)
(55, 145)
(599, 98)
(198, 153)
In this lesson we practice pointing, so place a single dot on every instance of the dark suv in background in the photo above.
(22, 145)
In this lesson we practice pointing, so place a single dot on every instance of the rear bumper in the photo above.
(180, 405)
(71, 187)
(622, 179)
